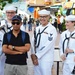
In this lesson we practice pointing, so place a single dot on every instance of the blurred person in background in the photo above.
(60, 20)
(2, 57)
(25, 22)
(30, 23)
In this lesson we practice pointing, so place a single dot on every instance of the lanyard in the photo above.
(7, 25)
(68, 39)
(37, 43)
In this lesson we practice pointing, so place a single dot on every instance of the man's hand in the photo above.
(10, 47)
(34, 59)
(68, 50)
(19, 52)
(63, 57)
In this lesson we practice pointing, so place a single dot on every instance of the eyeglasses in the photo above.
(10, 12)
(43, 16)
(17, 23)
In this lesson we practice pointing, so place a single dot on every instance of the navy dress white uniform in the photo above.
(67, 41)
(2, 57)
(45, 43)
(6, 26)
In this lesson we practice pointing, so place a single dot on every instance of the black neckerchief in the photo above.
(7, 25)
(67, 38)
(36, 36)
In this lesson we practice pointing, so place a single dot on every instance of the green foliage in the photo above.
(3, 3)
(9, 1)
(63, 26)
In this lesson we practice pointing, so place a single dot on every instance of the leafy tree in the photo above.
(9, 1)
(3, 3)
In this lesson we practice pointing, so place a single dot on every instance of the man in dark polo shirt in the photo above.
(16, 49)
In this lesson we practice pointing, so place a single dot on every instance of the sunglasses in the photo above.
(17, 23)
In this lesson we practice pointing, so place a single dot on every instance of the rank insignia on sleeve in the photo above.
(51, 34)
(50, 37)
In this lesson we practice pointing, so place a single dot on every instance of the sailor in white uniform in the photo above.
(6, 25)
(43, 42)
(67, 46)
(2, 56)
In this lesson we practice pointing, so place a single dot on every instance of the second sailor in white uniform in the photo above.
(44, 42)
(67, 46)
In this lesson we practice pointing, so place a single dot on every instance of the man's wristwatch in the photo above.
(13, 47)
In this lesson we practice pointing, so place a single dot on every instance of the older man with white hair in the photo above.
(43, 42)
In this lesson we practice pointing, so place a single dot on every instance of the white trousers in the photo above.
(2, 64)
(44, 68)
(66, 69)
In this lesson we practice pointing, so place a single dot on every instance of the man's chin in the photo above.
(16, 29)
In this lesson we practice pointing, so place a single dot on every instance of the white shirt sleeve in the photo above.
(32, 46)
(2, 24)
(1, 40)
(22, 28)
(60, 46)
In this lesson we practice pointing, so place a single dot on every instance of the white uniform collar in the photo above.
(68, 33)
(46, 25)
(71, 32)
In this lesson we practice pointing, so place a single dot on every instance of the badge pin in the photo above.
(50, 38)
(51, 34)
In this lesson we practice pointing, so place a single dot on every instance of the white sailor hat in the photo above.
(10, 8)
(44, 12)
(70, 18)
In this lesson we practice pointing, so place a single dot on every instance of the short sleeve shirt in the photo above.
(18, 59)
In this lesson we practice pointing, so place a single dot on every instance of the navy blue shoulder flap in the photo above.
(8, 36)
(23, 36)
